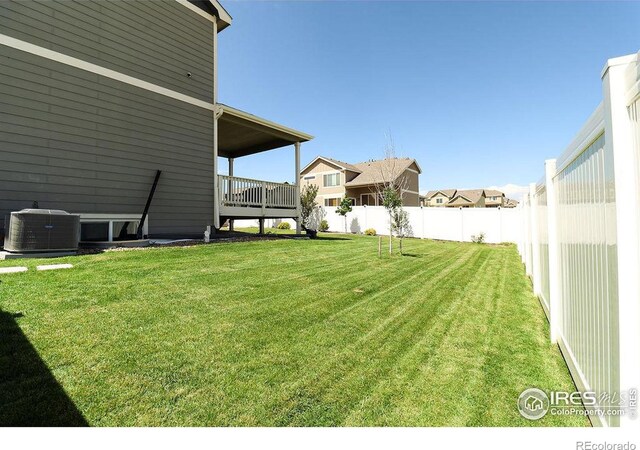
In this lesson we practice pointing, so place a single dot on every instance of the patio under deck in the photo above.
(242, 134)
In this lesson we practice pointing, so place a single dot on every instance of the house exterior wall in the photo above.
(357, 193)
(157, 41)
(411, 186)
(489, 202)
(318, 170)
(410, 199)
(86, 143)
(434, 202)
(349, 175)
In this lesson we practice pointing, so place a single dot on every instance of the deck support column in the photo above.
(261, 226)
(230, 174)
(296, 181)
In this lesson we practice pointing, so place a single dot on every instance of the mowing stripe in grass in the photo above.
(272, 332)
(392, 337)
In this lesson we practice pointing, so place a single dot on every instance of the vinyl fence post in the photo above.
(535, 241)
(555, 293)
(461, 224)
(621, 124)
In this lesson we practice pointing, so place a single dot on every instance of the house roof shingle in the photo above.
(373, 172)
(493, 193)
(336, 162)
(448, 192)
(466, 197)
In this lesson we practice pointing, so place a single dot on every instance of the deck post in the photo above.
(261, 226)
(296, 181)
(230, 174)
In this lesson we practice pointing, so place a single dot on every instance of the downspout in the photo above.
(216, 115)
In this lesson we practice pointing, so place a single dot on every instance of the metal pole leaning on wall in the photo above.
(555, 294)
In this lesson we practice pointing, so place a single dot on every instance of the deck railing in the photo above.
(247, 192)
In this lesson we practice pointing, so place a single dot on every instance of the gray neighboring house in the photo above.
(97, 96)
(468, 198)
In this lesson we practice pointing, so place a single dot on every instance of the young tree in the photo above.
(310, 212)
(401, 225)
(343, 209)
(392, 202)
(391, 184)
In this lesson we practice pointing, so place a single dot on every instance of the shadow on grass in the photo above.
(29, 393)
(412, 255)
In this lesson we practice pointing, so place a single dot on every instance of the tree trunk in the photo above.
(390, 235)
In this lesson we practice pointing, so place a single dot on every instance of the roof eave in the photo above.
(330, 162)
(299, 135)
(418, 166)
(224, 19)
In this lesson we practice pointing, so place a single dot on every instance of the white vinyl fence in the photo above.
(450, 224)
(581, 245)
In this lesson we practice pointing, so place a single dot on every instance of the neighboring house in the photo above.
(438, 198)
(98, 96)
(510, 203)
(336, 179)
(468, 198)
(494, 198)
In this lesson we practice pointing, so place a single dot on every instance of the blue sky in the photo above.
(479, 93)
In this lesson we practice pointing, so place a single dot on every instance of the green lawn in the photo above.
(277, 333)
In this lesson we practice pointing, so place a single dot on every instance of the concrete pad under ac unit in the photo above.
(18, 255)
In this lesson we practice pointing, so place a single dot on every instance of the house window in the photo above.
(439, 201)
(310, 177)
(108, 230)
(367, 200)
(331, 201)
(332, 179)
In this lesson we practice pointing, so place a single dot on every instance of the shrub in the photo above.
(478, 239)
(370, 232)
(324, 225)
(284, 226)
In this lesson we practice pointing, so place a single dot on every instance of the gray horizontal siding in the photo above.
(156, 41)
(73, 140)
